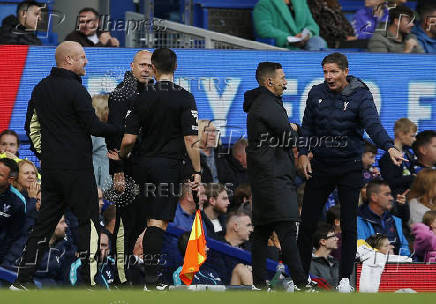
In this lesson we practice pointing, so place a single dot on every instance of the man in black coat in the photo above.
(336, 115)
(271, 173)
(22, 29)
(89, 32)
(129, 216)
(62, 121)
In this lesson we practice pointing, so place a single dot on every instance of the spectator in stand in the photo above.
(56, 262)
(27, 184)
(289, 22)
(99, 149)
(368, 19)
(375, 217)
(106, 269)
(88, 33)
(238, 230)
(422, 195)
(205, 276)
(368, 159)
(215, 209)
(425, 30)
(425, 238)
(323, 264)
(207, 134)
(232, 170)
(9, 144)
(229, 268)
(22, 29)
(425, 150)
(109, 215)
(397, 38)
(241, 197)
(185, 211)
(333, 25)
(333, 218)
(11, 259)
(12, 207)
(400, 177)
(380, 242)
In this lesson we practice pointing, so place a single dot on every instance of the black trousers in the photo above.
(134, 222)
(287, 233)
(347, 177)
(62, 189)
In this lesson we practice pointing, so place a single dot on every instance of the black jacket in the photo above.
(120, 101)
(67, 121)
(230, 172)
(84, 41)
(12, 32)
(399, 178)
(12, 219)
(334, 123)
(209, 226)
(270, 161)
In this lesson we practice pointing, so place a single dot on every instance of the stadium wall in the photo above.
(403, 85)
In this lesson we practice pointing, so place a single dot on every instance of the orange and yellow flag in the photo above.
(195, 254)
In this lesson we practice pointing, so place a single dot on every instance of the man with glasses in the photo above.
(88, 33)
(323, 264)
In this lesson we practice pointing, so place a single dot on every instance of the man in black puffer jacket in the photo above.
(271, 173)
(336, 115)
(21, 29)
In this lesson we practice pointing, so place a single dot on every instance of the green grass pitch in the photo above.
(189, 297)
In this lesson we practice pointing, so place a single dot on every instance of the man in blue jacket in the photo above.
(337, 113)
(375, 217)
(425, 30)
(12, 208)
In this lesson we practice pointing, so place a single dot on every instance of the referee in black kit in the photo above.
(167, 116)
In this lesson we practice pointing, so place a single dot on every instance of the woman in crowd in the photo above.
(9, 144)
(425, 238)
(422, 195)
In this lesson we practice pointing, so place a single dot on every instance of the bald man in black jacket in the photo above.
(62, 121)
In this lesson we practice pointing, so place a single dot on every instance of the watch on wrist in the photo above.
(196, 172)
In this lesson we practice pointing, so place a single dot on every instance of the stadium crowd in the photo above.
(396, 213)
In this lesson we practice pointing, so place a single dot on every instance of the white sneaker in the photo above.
(17, 287)
(344, 286)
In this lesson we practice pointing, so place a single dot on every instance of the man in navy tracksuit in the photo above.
(12, 208)
(336, 115)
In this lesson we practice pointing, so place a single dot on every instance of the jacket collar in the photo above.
(286, 14)
(268, 92)
(366, 213)
(60, 72)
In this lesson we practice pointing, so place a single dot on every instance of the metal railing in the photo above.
(156, 33)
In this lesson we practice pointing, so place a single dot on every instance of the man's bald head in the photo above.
(141, 66)
(70, 55)
(142, 53)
